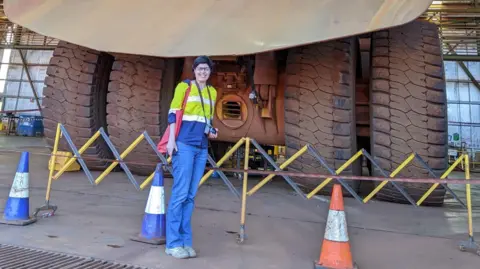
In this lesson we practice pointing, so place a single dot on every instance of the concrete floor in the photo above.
(283, 230)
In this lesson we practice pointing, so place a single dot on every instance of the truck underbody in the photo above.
(383, 91)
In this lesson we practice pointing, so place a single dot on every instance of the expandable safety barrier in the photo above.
(119, 159)
(314, 153)
(247, 141)
(469, 245)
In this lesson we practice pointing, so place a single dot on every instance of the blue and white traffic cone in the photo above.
(17, 208)
(215, 174)
(154, 221)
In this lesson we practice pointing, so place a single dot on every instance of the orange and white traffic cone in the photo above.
(335, 252)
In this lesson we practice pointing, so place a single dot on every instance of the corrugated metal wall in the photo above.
(463, 99)
(15, 89)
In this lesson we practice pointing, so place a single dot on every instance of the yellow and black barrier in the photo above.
(77, 156)
(119, 160)
(62, 132)
(469, 245)
(389, 178)
(407, 161)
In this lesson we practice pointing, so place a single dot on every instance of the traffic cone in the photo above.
(17, 208)
(154, 222)
(335, 252)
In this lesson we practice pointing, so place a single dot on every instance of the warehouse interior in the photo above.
(460, 33)
(97, 221)
(25, 56)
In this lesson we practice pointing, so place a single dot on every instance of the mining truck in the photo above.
(338, 75)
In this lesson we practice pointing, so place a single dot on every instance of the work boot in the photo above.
(191, 252)
(177, 252)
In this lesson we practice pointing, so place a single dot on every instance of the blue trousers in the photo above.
(188, 168)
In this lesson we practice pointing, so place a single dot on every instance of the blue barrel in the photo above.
(29, 125)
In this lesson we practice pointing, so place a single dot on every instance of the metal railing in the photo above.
(336, 174)
(119, 160)
(247, 142)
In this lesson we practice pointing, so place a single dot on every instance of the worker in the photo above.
(189, 154)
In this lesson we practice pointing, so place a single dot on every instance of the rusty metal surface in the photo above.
(14, 257)
(362, 110)
(236, 116)
(167, 28)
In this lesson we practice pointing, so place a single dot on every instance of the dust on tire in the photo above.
(319, 106)
(75, 96)
(408, 106)
(136, 103)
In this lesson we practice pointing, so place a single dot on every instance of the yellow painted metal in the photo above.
(150, 177)
(80, 151)
(275, 150)
(258, 25)
(245, 181)
(147, 181)
(339, 170)
(52, 168)
(393, 174)
(123, 155)
(444, 175)
(223, 159)
(469, 196)
(282, 166)
(60, 163)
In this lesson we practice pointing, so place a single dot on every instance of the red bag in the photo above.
(162, 145)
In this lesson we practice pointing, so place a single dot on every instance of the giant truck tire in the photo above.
(139, 95)
(319, 107)
(408, 107)
(75, 96)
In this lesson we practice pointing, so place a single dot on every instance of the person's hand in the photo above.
(171, 146)
(213, 135)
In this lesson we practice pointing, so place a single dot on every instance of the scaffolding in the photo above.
(24, 59)
(459, 27)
